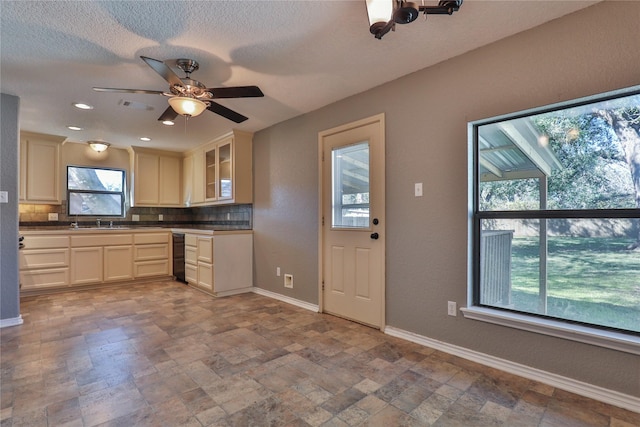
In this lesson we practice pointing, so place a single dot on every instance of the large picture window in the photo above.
(95, 191)
(555, 216)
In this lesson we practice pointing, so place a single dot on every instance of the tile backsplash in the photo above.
(232, 217)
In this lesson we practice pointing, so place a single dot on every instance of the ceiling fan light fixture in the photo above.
(185, 106)
(407, 12)
(98, 146)
(168, 122)
(380, 12)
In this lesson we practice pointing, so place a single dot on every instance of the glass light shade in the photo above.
(98, 146)
(379, 11)
(187, 106)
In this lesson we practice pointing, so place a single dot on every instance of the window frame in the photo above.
(603, 336)
(121, 193)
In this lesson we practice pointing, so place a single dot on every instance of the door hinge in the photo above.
(322, 220)
(323, 285)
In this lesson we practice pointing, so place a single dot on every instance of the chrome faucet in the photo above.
(98, 222)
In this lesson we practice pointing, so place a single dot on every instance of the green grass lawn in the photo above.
(592, 280)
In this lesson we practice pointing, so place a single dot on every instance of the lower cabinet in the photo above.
(117, 263)
(221, 264)
(44, 262)
(86, 265)
(151, 254)
(77, 258)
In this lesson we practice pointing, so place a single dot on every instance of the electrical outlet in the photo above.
(288, 280)
(278, 271)
(160, 217)
(451, 308)
(4, 197)
(135, 217)
(53, 216)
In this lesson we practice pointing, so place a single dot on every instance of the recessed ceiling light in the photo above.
(83, 106)
(145, 138)
(168, 122)
(74, 127)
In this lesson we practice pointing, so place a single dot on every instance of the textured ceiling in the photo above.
(302, 54)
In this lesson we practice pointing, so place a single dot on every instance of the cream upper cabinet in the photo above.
(222, 171)
(157, 177)
(40, 168)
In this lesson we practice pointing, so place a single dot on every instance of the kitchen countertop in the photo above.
(126, 229)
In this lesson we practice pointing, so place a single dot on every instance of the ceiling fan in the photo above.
(189, 97)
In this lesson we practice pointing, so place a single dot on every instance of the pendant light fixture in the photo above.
(385, 14)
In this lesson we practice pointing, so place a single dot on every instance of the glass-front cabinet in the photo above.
(225, 171)
(227, 175)
(210, 173)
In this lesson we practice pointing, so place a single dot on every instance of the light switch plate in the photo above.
(418, 189)
(4, 197)
(135, 217)
(53, 216)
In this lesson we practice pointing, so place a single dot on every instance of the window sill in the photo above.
(608, 339)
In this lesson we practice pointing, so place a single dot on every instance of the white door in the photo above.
(352, 248)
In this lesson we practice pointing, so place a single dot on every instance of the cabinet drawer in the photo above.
(44, 242)
(147, 238)
(205, 249)
(191, 274)
(190, 240)
(45, 278)
(43, 258)
(190, 255)
(149, 252)
(151, 268)
(101, 240)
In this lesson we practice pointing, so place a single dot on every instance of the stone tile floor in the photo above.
(162, 354)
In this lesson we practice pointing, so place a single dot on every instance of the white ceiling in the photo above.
(302, 54)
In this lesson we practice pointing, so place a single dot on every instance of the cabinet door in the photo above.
(118, 263)
(211, 175)
(86, 265)
(205, 276)
(225, 171)
(146, 182)
(170, 180)
(43, 176)
(205, 249)
(187, 180)
(198, 177)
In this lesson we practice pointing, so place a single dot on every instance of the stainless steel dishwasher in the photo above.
(178, 256)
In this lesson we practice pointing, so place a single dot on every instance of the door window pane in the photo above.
(350, 186)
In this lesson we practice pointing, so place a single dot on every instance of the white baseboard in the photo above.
(591, 391)
(4, 323)
(289, 300)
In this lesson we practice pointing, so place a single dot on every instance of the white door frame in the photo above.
(376, 118)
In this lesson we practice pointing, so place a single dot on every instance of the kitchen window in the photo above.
(95, 191)
(555, 218)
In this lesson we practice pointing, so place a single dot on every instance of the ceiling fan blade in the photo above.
(169, 114)
(226, 112)
(164, 70)
(112, 89)
(236, 92)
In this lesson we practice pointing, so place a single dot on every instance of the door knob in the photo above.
(375, 236)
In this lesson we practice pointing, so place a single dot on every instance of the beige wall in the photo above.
(589, 52)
